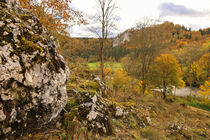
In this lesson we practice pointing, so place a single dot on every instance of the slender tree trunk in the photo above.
(102, 64)
(106, 18)
(143, 88)
(102, 68)
(102, 51)
(143, 78)
(102, 45)
(164, 91)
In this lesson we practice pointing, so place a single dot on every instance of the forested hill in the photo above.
(189, 47)
(88, 48)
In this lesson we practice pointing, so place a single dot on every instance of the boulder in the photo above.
(90, 110)
(119, 112)
(33, 75)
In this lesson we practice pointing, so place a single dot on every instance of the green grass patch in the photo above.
(194, 102)
(114, 65)
(199, 105)
(94, 66)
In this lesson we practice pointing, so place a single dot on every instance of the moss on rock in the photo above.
(29, 46)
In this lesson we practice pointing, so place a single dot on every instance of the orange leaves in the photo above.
(196, 35)
(59, 8)
(53, 14)
(108, 71)
(25, 3)
(181, 43)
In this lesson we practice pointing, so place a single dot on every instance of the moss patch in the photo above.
(30, 46)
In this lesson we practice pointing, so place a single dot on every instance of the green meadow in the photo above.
(114, 65)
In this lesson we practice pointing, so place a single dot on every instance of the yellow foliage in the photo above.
(140, 83)
(205, 91)
(207, 43)
(138, 88)
(196, 70)
(121, 80)
(205, 63)
(166, 72)
(181, 83)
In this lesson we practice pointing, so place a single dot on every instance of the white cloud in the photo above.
(170, 9)
(130, 11)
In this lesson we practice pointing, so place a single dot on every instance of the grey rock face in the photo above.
(32, 74)
(91, 111)
(119, 112)
(11, 3)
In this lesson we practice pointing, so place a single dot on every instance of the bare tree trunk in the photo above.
(102, 64)
(143, 88)
(105, 17)
(164, 91)
(102, 69)
(102, 48)
(143, 77)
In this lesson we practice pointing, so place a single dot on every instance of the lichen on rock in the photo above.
(32, 74)
(90, 110)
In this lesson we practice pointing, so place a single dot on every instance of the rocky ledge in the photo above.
(33, 75)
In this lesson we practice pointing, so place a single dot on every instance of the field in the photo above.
(114, 65)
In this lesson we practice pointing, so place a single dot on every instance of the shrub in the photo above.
(205, 92)
(151, 134)
(121, 80)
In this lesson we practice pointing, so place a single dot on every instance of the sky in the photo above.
(194, 14)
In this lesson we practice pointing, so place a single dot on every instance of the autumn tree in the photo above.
(189, 57)
(147, 41)
(106, 18)
(195, 73)
(121, 81)
(55, 15)
(205, 65)
(196, 35)
(205, 91)
(166, 72)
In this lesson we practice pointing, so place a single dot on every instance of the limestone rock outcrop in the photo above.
(90, 111)
(32, 74)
